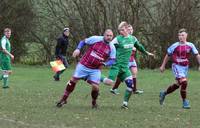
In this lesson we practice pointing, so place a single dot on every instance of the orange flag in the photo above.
(57, 65)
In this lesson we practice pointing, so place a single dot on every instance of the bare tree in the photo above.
(162, 19)
(84, 17)
(155, 22)
(18, 16)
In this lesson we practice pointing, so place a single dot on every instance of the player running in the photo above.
(179, 52)
(100, 52)
(124, 44)
(132, 66)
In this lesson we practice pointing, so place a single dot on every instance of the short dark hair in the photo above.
(65, 29)
(182, 30)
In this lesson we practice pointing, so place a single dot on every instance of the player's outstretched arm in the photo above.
(89, 41)
(110, 62)
(198, 59)
(76, 53)
(166, 59)
(151, 54)
(140, 47)
(77, 50)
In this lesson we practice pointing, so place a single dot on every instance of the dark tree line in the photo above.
(156, 23)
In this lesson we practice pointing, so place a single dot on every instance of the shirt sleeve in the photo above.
(3, 44)
(114, 41)
(113, 51)
(140, 47)
(171, 49)
(58, 46)
(93, 39)
(81, 44)
(194, 49)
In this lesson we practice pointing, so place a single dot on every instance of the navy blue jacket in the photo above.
(62, 45)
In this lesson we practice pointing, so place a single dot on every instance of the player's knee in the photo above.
(134, 75)
(74, 80)
(129, 84)
(9, 72)
(70, 86)
(182, 81)
(95, 87)
(108, 81)
(6, 74)
(184, 85)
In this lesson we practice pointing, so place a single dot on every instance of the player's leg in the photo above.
(183, 87)
(134, 75)
(6, 68)
(114, 89)
(113, 80)
(170, 88)
(94, 76)
(134, 71)
(110, 80)
(70, 86)
(126, 76)
(182, 83)
(180, 73)
(183, 91)
(1, 77)
(133, 68)
(94, 94)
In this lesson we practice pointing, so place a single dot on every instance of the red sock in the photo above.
(134, 84)
(172, 88)
(94, 95)
(69, 89)
(183, 90)
(117, 83)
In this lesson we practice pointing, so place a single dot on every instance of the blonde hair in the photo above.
(122, 24)
(129, 25)
(182, 30)
(7, 30)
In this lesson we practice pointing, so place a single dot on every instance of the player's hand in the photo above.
(76, 53)
(162, 69)
(12, 57)
(151, 54)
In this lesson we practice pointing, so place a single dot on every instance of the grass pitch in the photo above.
(30, 102)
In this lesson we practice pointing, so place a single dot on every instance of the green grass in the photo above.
(30, 103)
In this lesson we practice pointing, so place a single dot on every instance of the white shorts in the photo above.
(88, 74)
(179, 71)
(132, 64)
